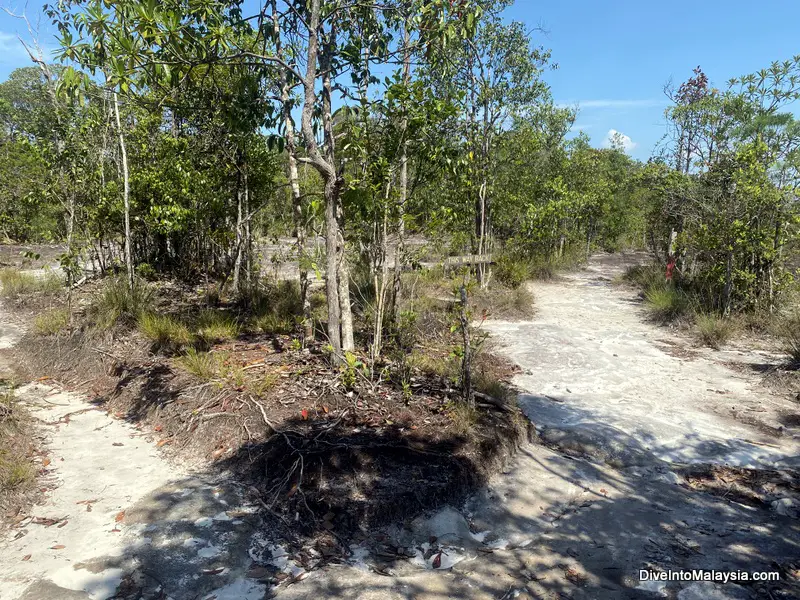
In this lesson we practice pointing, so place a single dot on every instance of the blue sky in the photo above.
(614, 56)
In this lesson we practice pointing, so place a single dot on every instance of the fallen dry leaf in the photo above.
(117, 444)
(216, 571)
(60, 525)
(45, 462)
(163, 442)
(120, 516)
(58, 547)
(437, 562)
(26, 557)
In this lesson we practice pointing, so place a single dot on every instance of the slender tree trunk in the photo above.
(294, 183)
(237, 264)
(332, 267)
(125, 194)
(466, 361)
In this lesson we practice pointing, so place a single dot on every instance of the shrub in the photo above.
(713, 330)
(215, 326)
(512, 271)
(146, 271)
(201, 364)
(666, 303)
(165, 332)
(16, 283)
(117, 299)
(51, 322)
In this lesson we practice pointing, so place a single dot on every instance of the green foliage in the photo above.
(117, 300)
(350, 369)
(167, 333)
(714, 330)
(51, 322)
(512, 271)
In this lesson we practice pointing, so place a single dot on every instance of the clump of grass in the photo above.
(15, 283)
(272, 323)
(464, 417)
(262, 385)
(117, 300)
(645, 277)
(713, 330)
(51, 322)
(17, 473)
(787, 329)
(166, 333)
(215, 326)
(203, 365)
(666, 303)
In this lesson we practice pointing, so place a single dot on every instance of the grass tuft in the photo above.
(666, 303)
(215, 326)
(713, 330)
(166, 333)
(51, 322)
(787, 329)
(117, 300)
(203, 365)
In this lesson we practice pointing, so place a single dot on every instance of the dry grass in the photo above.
(17, 472)
(117, 300)
(51, 322)
(714, 330)
(15, 283)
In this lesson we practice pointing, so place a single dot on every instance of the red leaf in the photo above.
(120, 516)
(437, 562)
(304, 413)
(26, 557)
(58, 547)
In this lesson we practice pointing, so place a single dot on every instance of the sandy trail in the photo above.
(595, 372)
(126, 522)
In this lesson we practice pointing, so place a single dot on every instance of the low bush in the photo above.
(713, 330)
(512, 271)
(166, 333)
(51, 322)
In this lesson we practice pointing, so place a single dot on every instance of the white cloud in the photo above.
(617, 137)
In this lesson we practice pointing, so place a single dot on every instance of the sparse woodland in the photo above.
(253, 214)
